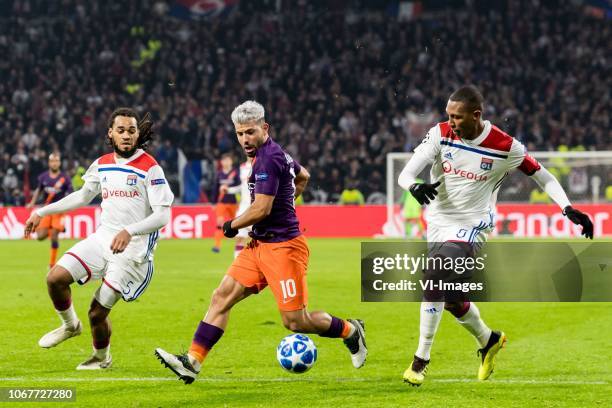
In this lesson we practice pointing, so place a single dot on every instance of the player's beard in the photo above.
(255, 146)
(123, 153)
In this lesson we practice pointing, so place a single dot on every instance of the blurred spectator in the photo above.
(538, 196)
(30, 139)
(351, 195)
(9, 184)
(77, 179)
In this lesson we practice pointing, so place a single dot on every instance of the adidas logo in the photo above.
(10, 226)
(431, 310)
(448, 155)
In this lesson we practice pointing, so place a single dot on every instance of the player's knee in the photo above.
(59, 277)
(41, 235)
(294, 324)
(96, 315)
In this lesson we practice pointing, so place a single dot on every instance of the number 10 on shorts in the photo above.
(288, 288)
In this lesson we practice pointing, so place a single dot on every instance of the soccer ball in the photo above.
(296, 353)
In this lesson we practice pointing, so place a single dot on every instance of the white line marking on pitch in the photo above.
(255, 380)
(519, 381)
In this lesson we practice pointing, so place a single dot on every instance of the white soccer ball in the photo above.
(296, 353)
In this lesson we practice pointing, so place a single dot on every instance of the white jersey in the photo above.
(129, 188)
(245, 195)
(470, 172)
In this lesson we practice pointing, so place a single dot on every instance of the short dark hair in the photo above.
(145, 125)
(470, 96)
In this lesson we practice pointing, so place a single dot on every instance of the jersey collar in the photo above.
(265, 144)
(481, 137)
(121, 160)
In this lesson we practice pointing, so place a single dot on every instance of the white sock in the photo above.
(352, 329)
(473, 323)
(431, 313)
(195, 363)
(68, 316)
(102, 353)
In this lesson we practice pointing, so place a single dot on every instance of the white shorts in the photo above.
(243, 232)
(122, 276)
(473, 232)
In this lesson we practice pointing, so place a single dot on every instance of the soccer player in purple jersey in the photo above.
(53, 185)
(277, 255)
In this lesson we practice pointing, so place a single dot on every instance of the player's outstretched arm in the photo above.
(301, 180)
(75, 200)
(412, 169)
(259, 209)
(423, 192)
(553, 188)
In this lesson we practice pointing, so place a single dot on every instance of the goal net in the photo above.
(585, 176)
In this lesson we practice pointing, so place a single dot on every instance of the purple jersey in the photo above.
(54, 188)
(230, 179)
(273, 174)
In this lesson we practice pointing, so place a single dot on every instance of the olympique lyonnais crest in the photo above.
(486, 164)
(131, 179)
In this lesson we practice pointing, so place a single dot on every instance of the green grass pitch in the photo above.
(557, 354)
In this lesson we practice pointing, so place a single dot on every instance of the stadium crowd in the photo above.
(343, 84)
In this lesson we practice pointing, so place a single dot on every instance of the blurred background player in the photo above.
(136, 203)
(461, 210)
(53, 185)
(227, 177)
(351, 194)
(412, 215)
(276, 256)
(245, 202)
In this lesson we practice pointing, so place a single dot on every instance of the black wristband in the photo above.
(228, 231)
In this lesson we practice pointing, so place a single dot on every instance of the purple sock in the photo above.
(207, 335)
(335, 328)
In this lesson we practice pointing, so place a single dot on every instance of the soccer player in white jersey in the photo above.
(470, 157)
(136, 203)
(245, 202)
